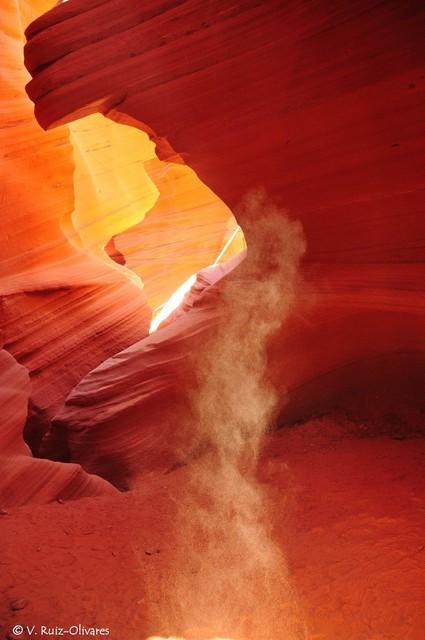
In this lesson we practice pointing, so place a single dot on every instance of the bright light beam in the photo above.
(176, 299)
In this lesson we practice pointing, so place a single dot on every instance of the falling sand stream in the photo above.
(231, 578)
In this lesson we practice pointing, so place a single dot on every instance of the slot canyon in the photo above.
(212, 356)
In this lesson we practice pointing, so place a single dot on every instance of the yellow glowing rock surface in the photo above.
(112, 189)
(164, 221)
(184, 232)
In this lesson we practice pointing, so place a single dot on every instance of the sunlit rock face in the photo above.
(164, 222)
(112, 190)
(320, 107)
(187, 229)
(63, 308)
(42, 279)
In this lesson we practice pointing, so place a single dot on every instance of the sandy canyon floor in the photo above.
(348, 511)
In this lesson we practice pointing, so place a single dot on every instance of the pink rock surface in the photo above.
(24, 479)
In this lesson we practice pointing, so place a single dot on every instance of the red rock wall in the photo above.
(321, 104)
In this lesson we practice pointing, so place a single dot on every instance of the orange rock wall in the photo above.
(63, 309)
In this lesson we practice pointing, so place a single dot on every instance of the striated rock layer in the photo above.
(63, 309)
(133, 413)
(25, 479)
(69, 197)
(319, 105)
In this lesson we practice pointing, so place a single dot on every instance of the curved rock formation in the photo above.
(188, 228)
(69, 197)
(63, 310)
(166, 224)
(317, 105)
(321, 107)
(133, 413)
(320, 104)
(14, 393)
(25, 479)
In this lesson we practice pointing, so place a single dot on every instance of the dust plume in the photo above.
(231, 579)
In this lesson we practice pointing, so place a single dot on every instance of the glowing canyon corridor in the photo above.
(212, 319)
